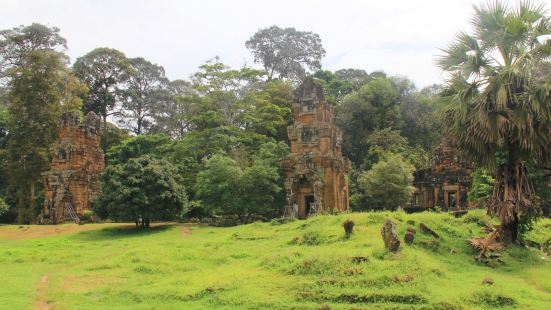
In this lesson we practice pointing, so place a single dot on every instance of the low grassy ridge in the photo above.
(296, 265)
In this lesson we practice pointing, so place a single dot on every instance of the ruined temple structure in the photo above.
(315, 171)
(73, 180)
(446, 183)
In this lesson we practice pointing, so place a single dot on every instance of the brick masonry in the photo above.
(315, 171)
(76, 167)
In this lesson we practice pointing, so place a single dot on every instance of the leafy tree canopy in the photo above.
(17, 42)
(388, 183)
(104, 71)
(146, 95)
(286, 52)
(374, 106)
(335, 88)
(153, 145)
(142, 190)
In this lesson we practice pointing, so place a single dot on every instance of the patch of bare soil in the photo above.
(42, 303)
(15, 232)
(186, 229)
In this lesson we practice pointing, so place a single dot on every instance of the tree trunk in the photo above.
(20, 207)
(31, 203)
(513, 197)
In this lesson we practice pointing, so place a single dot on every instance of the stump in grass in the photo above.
(408, 238)
(410, 235)
(348, 227)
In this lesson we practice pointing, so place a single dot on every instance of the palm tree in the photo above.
(496, 104)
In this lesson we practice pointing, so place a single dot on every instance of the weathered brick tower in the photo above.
(73, 180)
(315, 171)
(446, 183)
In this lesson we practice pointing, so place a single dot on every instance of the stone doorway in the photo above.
(452, 200)
(308, 201)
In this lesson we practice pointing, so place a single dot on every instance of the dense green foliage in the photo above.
(39, 91)
(388, 183)
(145, 96)
(142, 190)
(298, 265)
(17, 42)
(4, 208)
(104, 71)
(225, 187)
(234, 115)
(481, 188)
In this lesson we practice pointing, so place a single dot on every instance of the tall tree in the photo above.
(17, 42)
(497, 107)
(40, 90)
(225, 89)
(145, 95)
(104, 71)
(286, 52)
(174, 118)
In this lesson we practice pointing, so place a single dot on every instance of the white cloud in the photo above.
(400, 37)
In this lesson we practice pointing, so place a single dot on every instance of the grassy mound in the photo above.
(296, 265)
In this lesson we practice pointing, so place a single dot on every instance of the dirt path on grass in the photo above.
(15, 232)
(186, 229)
(42, 303)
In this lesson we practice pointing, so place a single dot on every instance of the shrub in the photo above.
(4, 208)
(481, 219)
(87, 216)
(348, 226)
(388, 183)
(490, 299)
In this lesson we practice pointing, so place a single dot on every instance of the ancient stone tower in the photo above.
(446, 183)
(73, 180)
(315, 171)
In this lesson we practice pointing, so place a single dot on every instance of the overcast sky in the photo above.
(399, 37)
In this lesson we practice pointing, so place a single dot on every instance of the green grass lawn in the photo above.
(298, 265)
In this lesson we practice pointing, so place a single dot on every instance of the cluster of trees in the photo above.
(212, 145)
(389, 128)
(209, 145)
(37, 86)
